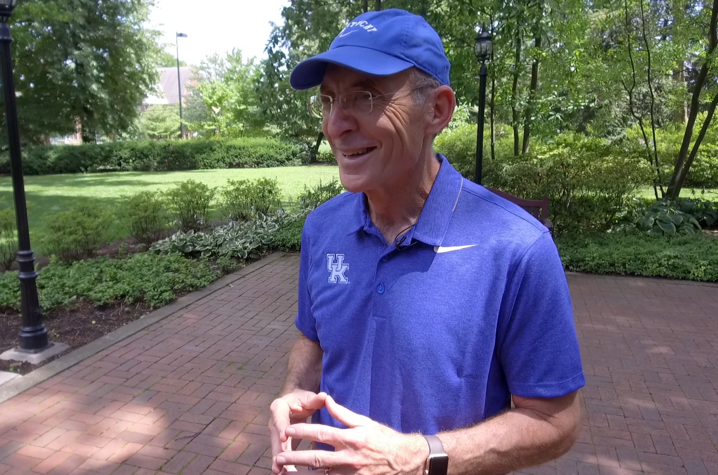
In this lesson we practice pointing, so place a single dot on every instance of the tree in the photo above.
(226, 89)
(160, 122)
(168, 60)
(82, 62)
(684, 160)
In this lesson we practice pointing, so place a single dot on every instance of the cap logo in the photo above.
(361, 24)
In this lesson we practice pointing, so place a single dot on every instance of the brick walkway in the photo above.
(190, 394)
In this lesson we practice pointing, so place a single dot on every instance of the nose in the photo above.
(338, 122)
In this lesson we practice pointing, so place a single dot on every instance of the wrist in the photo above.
(419, 451)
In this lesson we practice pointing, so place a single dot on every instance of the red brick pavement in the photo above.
(190, 394)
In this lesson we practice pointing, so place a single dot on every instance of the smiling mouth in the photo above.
(359, 153)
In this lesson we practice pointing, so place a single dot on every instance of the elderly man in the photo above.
(426, 302)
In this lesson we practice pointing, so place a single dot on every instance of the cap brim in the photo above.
(310, 72)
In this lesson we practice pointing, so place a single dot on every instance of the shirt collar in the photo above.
(436, 214)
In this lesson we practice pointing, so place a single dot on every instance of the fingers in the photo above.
(306, 404)
(280, 419)
(318, 433)
(310, 458)
(278, 423)
(344, 415)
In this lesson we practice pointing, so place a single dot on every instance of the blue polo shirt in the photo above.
(437, 333)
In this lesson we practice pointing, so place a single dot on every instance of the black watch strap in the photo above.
(438, 461)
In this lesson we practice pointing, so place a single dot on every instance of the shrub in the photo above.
(289, 236)
(8, 237)
(588, 181)
(145, 216)
(238, 240)
(160, 156)
(189, 204)
(704, 211)
(76, 234)
(315, 195)
(664, 218)
(703, 171)
(241, 199)
(692, 257)
(148, 277)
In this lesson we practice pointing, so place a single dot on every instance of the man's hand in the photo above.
(365, 447)
(289, 409)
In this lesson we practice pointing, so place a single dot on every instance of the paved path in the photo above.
(190, 393)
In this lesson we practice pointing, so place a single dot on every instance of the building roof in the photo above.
(168, 86)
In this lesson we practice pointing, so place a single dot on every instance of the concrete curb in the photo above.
(20, 385)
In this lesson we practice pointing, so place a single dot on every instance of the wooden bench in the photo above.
(536, 208)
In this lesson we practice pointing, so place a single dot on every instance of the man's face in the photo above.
(379, 149)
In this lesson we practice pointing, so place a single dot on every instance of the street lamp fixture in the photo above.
(482, 48)
(179, 80)
(33, 335)
(6, 7)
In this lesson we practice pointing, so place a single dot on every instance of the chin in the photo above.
(353, 183)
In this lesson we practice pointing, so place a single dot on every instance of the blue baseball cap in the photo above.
(379, 43)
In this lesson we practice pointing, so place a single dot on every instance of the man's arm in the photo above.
(304, 369)
(298, 399)
(535, 432)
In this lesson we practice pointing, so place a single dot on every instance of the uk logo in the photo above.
(337, 268)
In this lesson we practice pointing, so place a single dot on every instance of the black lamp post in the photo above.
(179, 82)
(33, 336)
(482, 49)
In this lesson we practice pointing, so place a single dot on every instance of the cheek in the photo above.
(405, 128)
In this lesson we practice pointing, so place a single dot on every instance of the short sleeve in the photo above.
(538, 346)
(305, 320)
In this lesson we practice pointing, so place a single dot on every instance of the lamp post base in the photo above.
(34, 356)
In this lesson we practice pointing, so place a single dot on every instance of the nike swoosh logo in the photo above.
(347, 34)
(442, 249)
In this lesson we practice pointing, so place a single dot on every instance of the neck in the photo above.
(397, 208)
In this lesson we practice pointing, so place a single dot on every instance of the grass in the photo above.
(707, 194)
(50, 194)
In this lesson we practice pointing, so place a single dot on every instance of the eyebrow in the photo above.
(370, 83)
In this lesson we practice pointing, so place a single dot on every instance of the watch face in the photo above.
(439, 465)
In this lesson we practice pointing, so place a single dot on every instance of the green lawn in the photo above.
(50, 194)
(709, 194)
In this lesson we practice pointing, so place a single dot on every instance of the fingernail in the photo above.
(291, 431)
(281, 460)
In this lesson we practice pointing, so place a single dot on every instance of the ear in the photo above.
(442, 103)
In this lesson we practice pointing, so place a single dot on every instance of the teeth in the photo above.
(358, 152)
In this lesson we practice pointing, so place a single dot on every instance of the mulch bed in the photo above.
(76, 327)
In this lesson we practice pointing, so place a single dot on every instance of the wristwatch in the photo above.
(438, 461)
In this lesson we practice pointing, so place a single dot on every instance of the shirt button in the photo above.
(384, 259)
(380, 288)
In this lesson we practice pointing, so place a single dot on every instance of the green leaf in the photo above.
(668, 228)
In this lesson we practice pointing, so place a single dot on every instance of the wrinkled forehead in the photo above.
(338, 78)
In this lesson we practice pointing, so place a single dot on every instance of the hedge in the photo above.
(159, 156)
(676, 257)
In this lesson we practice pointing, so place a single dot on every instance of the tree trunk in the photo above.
(515, 87)
(365, 5)
(532, 92)
(681, 113)
(377, 5)
(88, 129)
(696, 146)
(314, 152)
(649, 79)
(423, 10)
(680, 171)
